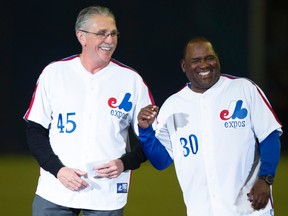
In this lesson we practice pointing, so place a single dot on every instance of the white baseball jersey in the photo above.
(88, 116)
(211, 138)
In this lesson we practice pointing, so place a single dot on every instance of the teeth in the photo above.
(204, 73)
(106, 47)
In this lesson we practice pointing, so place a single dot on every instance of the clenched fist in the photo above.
(147, 115)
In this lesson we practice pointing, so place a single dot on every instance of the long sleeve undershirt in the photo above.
(160, 158)
(39, 145)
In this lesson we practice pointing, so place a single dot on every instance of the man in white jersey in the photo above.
(78, 123)
(222, 134)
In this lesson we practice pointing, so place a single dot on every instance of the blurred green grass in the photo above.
(151, 193)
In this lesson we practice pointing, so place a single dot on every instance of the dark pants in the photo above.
(42, 207)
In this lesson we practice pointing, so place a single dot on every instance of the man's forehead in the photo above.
(200, 49)
(102, 22)
(200, 45)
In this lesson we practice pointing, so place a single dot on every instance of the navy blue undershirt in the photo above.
(160, 158)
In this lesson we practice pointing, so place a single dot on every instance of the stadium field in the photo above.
(152, 192)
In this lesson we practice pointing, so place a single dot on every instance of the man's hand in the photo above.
(112, 169)
(71, 178)
(259, 194)
(147, 115)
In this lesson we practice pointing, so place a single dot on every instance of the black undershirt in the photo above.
(39, 145)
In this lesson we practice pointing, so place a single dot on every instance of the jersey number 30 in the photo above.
(189, 145)
(70, 125)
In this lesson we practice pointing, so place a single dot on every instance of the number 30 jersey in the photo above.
(211, 138)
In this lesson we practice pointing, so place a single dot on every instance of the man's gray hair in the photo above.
(86, 14)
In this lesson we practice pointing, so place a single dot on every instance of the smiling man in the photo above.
(201, 65)
(78, 121)
(222, 134)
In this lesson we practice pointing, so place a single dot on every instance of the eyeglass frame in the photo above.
(103, 35)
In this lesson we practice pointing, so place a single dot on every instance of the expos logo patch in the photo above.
(122, 188)
(235, 114)
(120, 105)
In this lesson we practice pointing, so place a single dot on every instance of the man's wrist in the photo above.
(145, 130)
(267, 178)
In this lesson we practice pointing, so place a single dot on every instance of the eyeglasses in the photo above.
(103, 34)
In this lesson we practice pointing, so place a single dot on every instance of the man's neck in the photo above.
(92, 65)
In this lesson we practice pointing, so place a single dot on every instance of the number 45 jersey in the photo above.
(88, 116)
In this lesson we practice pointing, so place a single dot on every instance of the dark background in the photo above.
(250, 37)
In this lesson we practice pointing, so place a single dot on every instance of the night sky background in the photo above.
(250, 37)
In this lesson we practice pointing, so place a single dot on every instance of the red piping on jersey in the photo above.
(126, 66)
(70, 57)
(77, 55)
(260, 93)
(31, 103)
(33, 96)
(130, 180)
(65, 59)
(271, 201)
(186, 84)
(269, 106)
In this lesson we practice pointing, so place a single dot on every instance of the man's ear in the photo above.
(183, 65)
(81, 38)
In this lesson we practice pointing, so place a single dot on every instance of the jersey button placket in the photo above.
(208, 145)
(88, 116)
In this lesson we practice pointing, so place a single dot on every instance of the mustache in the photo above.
(104, 45)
